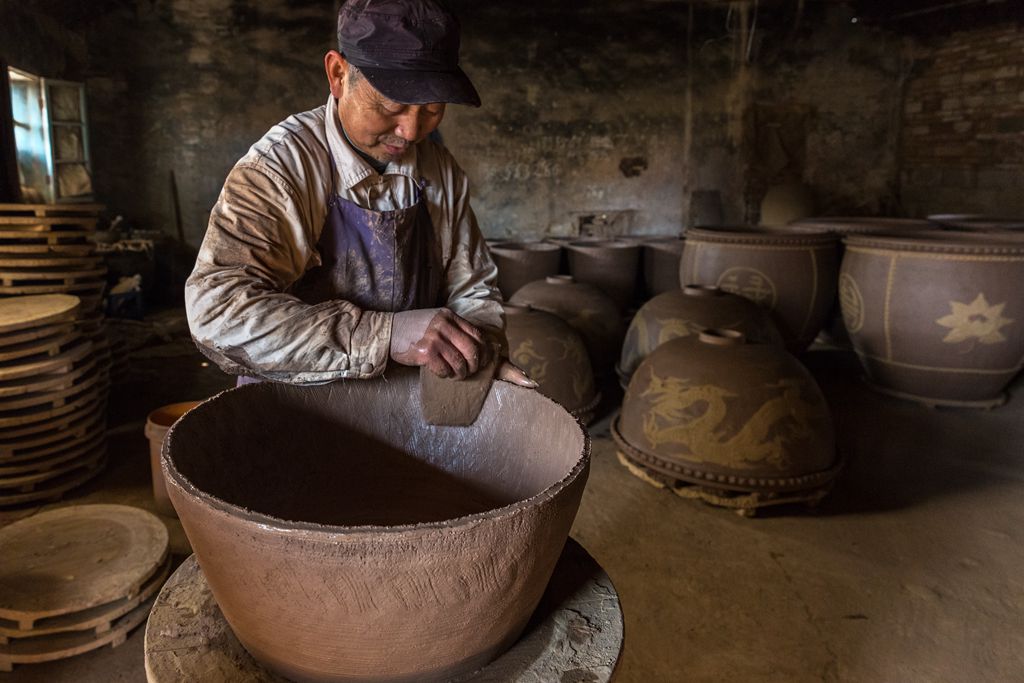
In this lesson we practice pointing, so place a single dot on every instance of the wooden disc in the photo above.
(94, 400)
(71, 430)
(80, 249)
(54, 488)
(98, 619)
(47, 222)
(75, 558)
(51, 209)
(576, 633)
(14, 419)
(49, 346)
(57, 396)
(49, 382)
(38, 237)
(65, 274)
(30, 481)
(32, 333)
(71, 643)
(81, 289)
(48, 261)
(45, 364)
(35, 311)
(82, 447)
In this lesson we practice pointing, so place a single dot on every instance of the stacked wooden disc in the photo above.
(54, 381)
(77, 578)
(46, 249)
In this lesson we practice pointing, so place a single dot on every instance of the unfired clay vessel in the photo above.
(791, 275)
(661, 265)
(553, 355)
(937, 316)
(976, 222)
(520, 263)
(610, 265)
(345, 539)
(587, 310)
(711, 409)
(686, 312)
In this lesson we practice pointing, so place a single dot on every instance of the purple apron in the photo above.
(378, 260)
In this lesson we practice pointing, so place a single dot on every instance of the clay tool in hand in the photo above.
(456, 402)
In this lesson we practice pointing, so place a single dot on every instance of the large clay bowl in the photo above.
(610, 265)
(937, 316)
(345, 539)
(711, 409)
(520, 263)
(792, 275)
(975, 222)
(690, 311)
(554, 355)
(661, 265)
(587, 309)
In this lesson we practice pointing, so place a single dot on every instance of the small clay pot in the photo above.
(936, 316)
(791, 275)
(689, 311)
(553, 355)
(587, 309)
(974, 222)
(520, 263)
(346, 539)
(711, 409)
(661, 265)
(610, 265)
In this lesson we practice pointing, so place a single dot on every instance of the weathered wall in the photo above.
(963, 141)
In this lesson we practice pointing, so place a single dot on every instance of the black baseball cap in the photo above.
(407, 49)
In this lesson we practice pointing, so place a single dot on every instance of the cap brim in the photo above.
(423, 87)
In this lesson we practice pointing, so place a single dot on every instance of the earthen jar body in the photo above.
(520, 263)
(688, 312)
(346, 539)
(587, 310)
(553, 354)
(973, 222)
(661, 265)
(791, 275)
(711, 409)
(610, 265)
(936, 315)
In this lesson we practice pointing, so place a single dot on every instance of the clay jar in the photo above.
(552, 354)
(587, 310)
(610, 265)
(687, 312)
(522, 262)
(976, 222)
(661, 265)
(345, 539)
(936, 316)
(711, 409)
(791, 275)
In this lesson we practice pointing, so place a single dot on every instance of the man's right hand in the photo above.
(448, 345)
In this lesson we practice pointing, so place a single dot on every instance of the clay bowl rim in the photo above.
(762, 236)
(942, 242)
(265, 521)
(589, 246)
(523, 246)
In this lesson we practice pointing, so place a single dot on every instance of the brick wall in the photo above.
(963, 128)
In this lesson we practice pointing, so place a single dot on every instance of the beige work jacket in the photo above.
(263, 236)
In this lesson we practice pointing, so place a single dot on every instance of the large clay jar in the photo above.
(710, 409)
(687, 312)
(792, 275)
(936, 316)
(610, 265)
(976, 222)
(661, 265)
(553, 355)
(522, 262)
(587, 310)
(345, 539)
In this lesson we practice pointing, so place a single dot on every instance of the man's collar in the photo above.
(352, 168)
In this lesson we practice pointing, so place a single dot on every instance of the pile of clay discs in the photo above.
(46, 249)
(77, 578)
(54, 381)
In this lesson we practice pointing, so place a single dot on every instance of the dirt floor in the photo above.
(910, 571)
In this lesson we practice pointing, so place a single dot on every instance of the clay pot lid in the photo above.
(702, 291)
(943, 242)
(761, 235)
(523, 246)
(846, 225)
(722, 337)
(517, 309)
(976, 221)
(560, 280)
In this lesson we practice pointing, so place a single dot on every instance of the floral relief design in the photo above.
(977, 321)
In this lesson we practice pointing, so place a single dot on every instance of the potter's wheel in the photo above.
(576, 632)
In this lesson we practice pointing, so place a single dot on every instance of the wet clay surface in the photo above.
(455, 402)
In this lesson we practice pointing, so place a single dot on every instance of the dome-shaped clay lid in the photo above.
(760, 235)
(715, 410)
(688, 312)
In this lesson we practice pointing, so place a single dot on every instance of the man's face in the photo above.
(381, 127)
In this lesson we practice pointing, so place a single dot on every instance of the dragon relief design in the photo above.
(535, 365)
(575, 356)
(696, 417)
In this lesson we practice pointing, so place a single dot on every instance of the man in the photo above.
(344, 238)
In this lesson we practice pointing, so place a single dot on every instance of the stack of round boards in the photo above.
(77, 578)
(54, 380)
(46, 249)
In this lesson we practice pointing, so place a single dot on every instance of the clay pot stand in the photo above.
(745, 495)
(187, 637)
